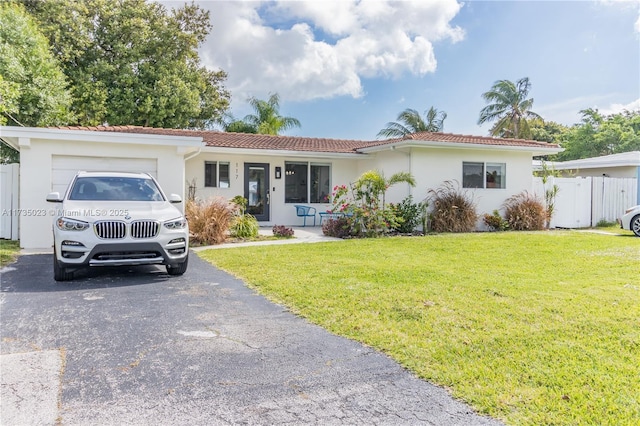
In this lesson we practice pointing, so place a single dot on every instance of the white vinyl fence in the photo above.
(584, 201)
(9, 174)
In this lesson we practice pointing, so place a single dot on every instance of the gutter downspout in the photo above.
(193, 155)
(408, 154)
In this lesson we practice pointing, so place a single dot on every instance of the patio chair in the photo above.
(305, 212)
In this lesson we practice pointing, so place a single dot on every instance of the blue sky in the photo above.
(345, 69)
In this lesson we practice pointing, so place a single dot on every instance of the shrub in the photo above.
(338, 228)
(495, 222)
(408, 215)
(209, 221)
(453, 210)
(604, 223)
(282, 231)
(525, 212)
(364, 201)
(243, 224)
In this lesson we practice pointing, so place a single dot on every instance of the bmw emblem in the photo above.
(127, 217)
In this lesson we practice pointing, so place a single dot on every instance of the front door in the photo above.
(256, 190)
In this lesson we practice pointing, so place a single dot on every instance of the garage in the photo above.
(64, 167)
(50, 157)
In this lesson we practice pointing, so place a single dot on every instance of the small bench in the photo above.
(329, 216)
(305, 212)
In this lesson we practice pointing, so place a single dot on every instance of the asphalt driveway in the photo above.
(136, 346)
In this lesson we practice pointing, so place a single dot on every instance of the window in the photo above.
(216, 174)
(496, 175)
(484, 175)
(320, 183)
(223, 175)
(472, 175)
(297, 177)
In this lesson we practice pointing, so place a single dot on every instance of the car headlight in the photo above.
(179, 223)
(66, 224)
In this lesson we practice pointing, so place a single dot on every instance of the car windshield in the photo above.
(108, 188)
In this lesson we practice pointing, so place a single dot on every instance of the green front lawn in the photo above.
(531, 328)
(8, 251)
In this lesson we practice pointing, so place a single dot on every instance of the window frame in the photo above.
(219, 179)
(306, 181)
(310, 188)
(485, 175)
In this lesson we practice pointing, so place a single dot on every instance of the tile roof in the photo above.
(467, 139)
(219, 139)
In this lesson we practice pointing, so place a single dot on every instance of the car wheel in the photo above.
(635, 225)
(60, 273)
(178, 269)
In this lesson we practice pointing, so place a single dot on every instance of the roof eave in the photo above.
(458, 145)
(592, 166)
(14, 133)
(270, 152)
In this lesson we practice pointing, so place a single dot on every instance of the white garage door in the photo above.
(64, 167)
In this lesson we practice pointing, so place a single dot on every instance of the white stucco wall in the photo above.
(343, 170)
(614, 172)
(431, 167)
(36, 167)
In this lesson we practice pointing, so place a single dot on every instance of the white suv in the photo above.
(631, 220)
(117, 219)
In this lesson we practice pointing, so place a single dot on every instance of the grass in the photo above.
(532, 328)
(614, 229)
(8, 252)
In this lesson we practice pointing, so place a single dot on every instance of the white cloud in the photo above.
(617, 108)
(567, 112)
(321, 49)
(627, 4)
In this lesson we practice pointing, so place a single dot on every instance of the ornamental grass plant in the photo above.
(453, 209)
(209, 220)
(525, 212)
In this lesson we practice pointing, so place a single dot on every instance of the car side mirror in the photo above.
(175, 198)
(54, 197)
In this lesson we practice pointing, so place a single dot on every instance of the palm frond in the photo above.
(509, 108)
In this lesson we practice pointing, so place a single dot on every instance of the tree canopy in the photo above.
(509, 108)
(33, 89)
(410, 121)
(133, 62)
(598, 135)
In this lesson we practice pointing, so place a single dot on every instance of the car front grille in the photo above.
(114, 229)
(110, 229)
(144, 229)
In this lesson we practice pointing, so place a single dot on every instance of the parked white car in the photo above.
(631, 220)
(117, 219)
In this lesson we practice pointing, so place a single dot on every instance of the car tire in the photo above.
(60, 273)
(635, 225)
(178, 269)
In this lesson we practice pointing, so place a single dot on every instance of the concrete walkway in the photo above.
(308, 234)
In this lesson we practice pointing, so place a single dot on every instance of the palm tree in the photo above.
(509, 108)
(410, 121)
(267, 119)
(375, 185)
